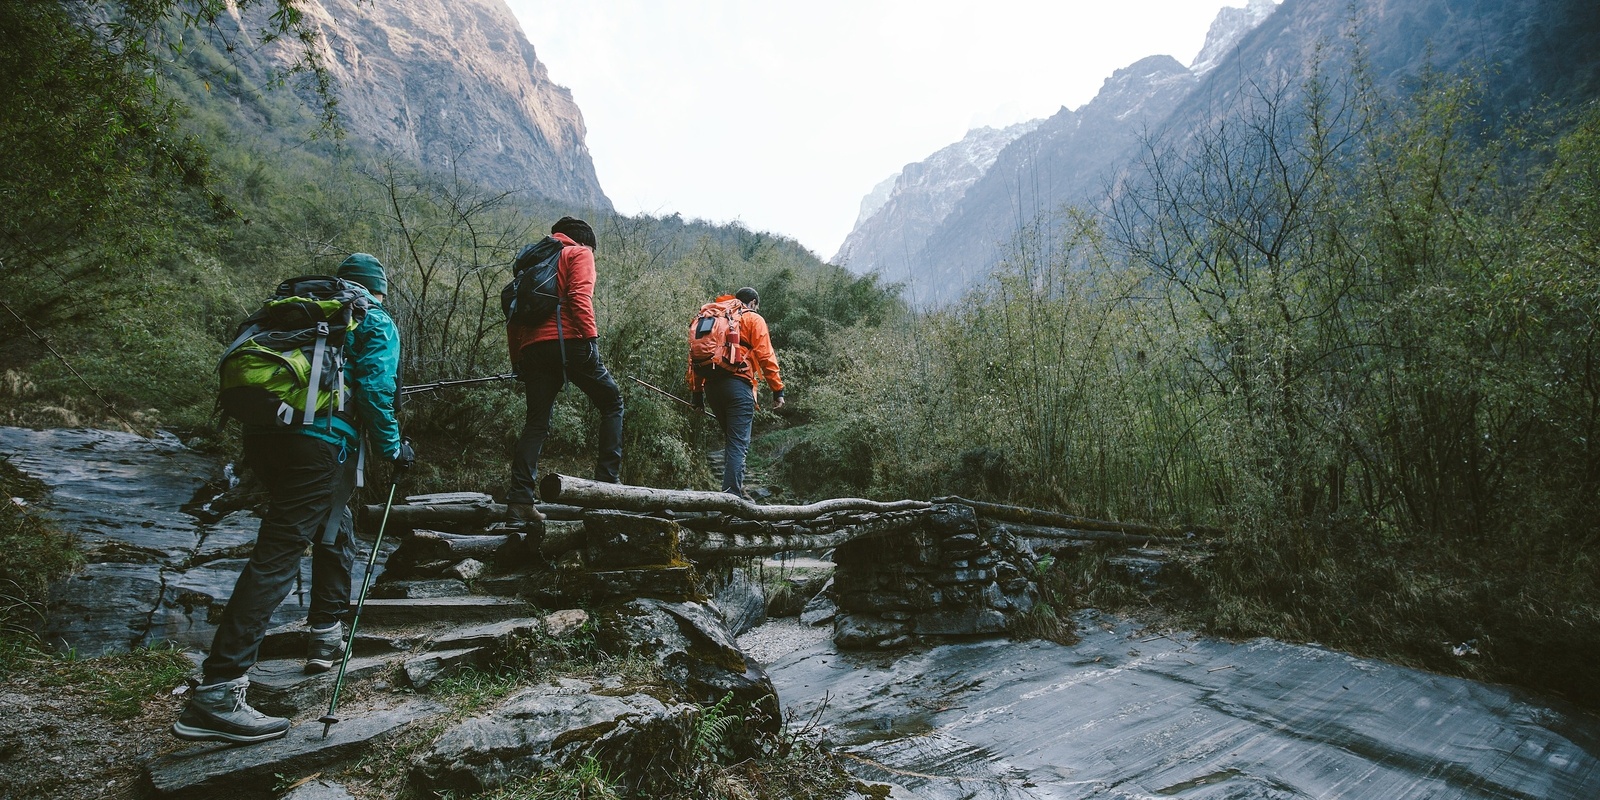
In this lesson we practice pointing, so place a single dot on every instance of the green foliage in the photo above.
(587, 780)
(33, 550)
(118, 684)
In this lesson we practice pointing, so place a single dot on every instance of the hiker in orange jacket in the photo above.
(548, 356)
(732, 393)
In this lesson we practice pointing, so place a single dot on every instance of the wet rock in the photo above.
(209, 771)
(318, 790)
(565, 622)
(444, 609)
(693, 651)
(548, 726)
(618, 540)
(418, 590)
(421, 671)
(821, 608)
(868, 632)
(964, 622)
(467, 570)
(738, 600)
(667, 583)
(282, 687)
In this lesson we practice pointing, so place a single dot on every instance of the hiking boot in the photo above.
(524, 512)
(324, 648)
(218, 713)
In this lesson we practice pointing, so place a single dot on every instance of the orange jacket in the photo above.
(761, 362)
(575, 277)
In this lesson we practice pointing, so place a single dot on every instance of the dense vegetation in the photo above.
(1356, 331)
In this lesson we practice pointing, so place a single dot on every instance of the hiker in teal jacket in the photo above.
(309, 473)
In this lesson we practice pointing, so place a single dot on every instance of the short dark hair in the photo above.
(748, 296)
(575, 229)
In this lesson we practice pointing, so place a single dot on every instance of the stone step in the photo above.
(383, 612)
(282, 688)
(289, 641)
(213, 770)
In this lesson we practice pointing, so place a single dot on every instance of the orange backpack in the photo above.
(714, 338)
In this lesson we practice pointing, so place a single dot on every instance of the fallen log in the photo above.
(702, 543)
(1025, 531)
(448, 515)
(438, 546)
(594, 494)
(1052, 519)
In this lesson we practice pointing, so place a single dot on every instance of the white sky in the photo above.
(783, 115)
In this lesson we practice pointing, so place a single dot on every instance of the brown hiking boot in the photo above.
(524, 512)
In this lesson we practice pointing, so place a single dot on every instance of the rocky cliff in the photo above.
(454, 86)
(909, 207)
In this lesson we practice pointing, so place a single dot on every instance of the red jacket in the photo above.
(575, 282)
(762, 363)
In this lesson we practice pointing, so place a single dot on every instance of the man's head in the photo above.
(749, 297)
(366, 270)
(575, 229)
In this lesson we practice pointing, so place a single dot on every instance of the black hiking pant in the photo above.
(543, 376)
(308, 484)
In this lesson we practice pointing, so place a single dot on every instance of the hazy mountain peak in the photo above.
(1227, 29)
(912, 202)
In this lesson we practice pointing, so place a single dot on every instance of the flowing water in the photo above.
(1129, 713)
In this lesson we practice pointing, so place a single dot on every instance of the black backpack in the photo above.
(533, 293)
(286, 363)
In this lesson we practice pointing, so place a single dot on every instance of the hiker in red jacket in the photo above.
(545, 360)
(727, 381)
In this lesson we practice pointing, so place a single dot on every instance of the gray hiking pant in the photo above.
(733, 400)
(308, 482)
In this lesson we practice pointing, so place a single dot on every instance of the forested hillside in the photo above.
(1351, 324)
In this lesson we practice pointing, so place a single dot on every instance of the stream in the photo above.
(1126, 713)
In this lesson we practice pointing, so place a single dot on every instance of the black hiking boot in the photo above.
(218, 713)
(324, 648)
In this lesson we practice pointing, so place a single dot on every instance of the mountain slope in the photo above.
(451, 85)
(918, 200)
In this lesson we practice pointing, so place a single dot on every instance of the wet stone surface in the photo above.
(154, 573)
(1132, 714)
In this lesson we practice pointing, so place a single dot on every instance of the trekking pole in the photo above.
(428, 387)
(660, 390)
(329, 719)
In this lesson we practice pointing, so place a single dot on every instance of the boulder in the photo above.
(619, 540)
(552, 725)
(693, 651)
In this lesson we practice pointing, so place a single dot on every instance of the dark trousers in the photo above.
(308, 484)
(733, 400)
(544, 376)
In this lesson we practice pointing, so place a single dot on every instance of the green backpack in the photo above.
(286, 363)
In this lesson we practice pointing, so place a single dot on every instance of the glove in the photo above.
(404, 460)
(698, 399)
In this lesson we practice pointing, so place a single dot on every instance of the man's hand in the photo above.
(777, 400)
(403, 460)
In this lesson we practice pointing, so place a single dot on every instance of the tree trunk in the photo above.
(594, 494)
(1051, 519)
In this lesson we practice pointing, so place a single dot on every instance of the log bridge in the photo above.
(903, 570)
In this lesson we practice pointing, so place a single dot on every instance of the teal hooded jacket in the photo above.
(372, 371)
